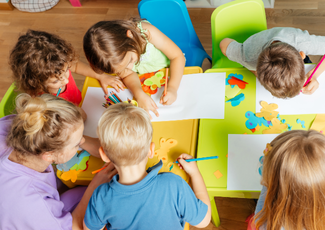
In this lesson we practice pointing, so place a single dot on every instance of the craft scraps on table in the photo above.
(236, 100)
(289, 127)
(77, 162)
(156, 81)
(235, 81)
(67, 165)
(217, 174)
(319, 123)
(267, 111)
(301, 122)
(231, 92)
(70, 175)
(283, 121)
(276, 127)
(260, 169)
(238, 76)
(165, 146)
(254, 121)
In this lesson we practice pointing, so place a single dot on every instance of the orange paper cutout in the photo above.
(217, 174)
(235, 81)
(70, 175)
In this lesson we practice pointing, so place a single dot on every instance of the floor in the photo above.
(71, 24)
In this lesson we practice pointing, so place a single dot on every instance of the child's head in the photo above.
(46, 124)
(113, 46)
(280, 69)
(294, 174)
(125, 133)
(40, 61)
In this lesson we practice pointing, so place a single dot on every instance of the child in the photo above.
(128, 47)
(276, 57)
(42, 63)
(136, 198)
(293, 182)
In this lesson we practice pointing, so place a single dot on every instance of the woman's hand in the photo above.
(114, 81)
(169, 98)
(146, 102)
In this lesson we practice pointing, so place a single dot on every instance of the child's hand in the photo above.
(170, 97)
(311, 87)
(114, 81)
(189, 167)
(105, 175)
(146, 102)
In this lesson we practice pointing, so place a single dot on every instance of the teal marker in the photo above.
(58, 92)
(199, 159)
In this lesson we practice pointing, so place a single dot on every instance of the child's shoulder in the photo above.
(170, 179)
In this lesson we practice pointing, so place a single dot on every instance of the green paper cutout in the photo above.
(154, 80)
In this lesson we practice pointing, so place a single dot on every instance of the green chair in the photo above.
(7, 104)
(237, 20)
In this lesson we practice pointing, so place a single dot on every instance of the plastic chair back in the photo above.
(171, 18)
(7, 104)
(237, 20)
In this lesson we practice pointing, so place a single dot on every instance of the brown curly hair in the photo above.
(280, 69)
(106, 44)
(38, 56)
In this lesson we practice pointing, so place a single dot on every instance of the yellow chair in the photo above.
(237, 20)
(7, 104)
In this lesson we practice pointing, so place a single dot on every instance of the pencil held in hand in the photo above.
(166, 80)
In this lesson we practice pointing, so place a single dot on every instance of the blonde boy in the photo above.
(136, 198)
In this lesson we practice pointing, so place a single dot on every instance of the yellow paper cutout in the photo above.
(319, 123)
(217, 174)
(267, 111)
(276, 127)
(165, 146)
(70, 175)
(257, 128)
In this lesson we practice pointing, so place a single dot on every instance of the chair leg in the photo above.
(214, 211)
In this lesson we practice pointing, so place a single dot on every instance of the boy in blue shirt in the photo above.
(137, 198)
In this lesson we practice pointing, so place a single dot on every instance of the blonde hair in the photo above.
(42, 124)
(125, 133)
(294, 174)
(280, 69)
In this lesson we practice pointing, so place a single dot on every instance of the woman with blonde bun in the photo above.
(45, 130)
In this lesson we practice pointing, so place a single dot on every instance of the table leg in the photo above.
(214, 211)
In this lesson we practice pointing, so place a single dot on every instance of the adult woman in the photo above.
(46, 130)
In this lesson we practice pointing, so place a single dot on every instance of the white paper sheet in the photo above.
(301, 104)
(244, 152)
(92, 105)
(198, 96)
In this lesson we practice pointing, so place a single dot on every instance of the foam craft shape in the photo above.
(301, 122)
(253, 121)
(165, 146)
(70, 175)
(235, 81)
(260, 169)
(319, 123)
(267, 111)
(276, 127)
(231, 92)
(238, 76)
(67, 165)
(217, 174)
(156, 81)
(236, 100)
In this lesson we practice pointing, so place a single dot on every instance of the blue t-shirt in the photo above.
(159, 201)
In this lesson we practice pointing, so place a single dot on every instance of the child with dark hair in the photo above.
(42, 63)
(276, 56)
(128, 47)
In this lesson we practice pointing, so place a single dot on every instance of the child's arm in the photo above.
(176, 57)
(132, 82)
(91, 145)
(198, 185)
(102, 177)
(224, 45)
(311, 87)
(104, 79)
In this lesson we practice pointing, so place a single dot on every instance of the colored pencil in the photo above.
(58, 92)
(166, 80)
(109, 100)
(199, 159)
(117, 97)
(112, 99)
(312, 74)
(98, 170)
(129, 100)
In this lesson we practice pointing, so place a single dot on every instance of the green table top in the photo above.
(213, 133)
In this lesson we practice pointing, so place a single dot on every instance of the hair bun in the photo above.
(31, 112)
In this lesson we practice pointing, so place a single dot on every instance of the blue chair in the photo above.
(171, 17)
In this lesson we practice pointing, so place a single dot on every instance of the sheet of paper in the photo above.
(301, 104)
(92, 105)
(198, 96)
(244, 152)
